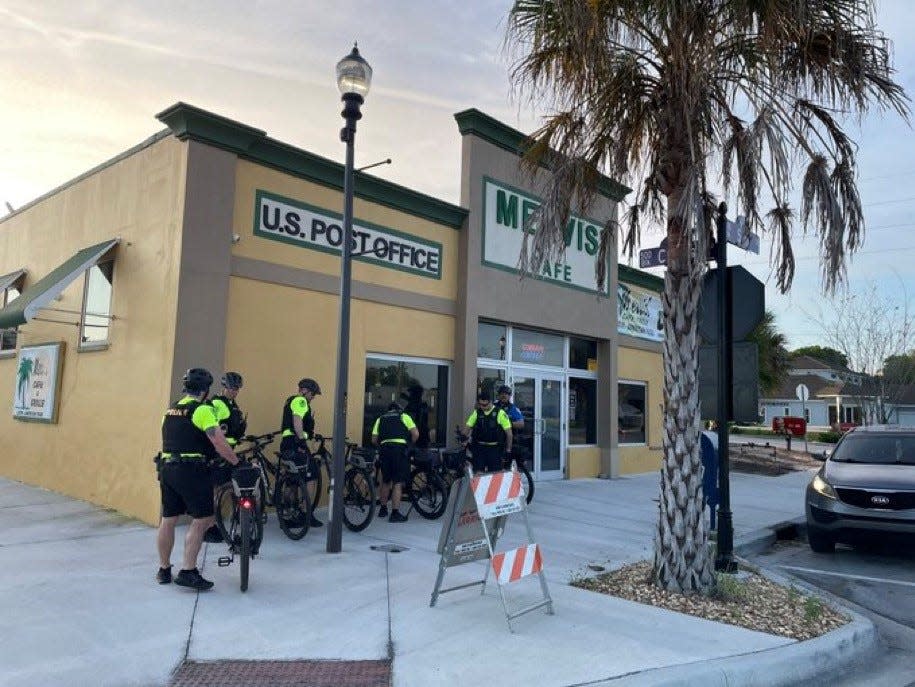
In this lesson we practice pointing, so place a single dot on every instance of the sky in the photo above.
(82, 81)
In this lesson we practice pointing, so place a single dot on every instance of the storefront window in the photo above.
(421, 388)
(582, 411)
(537, 347)
(489, 379)
(631, 413)
(491, 341)
(583, 354)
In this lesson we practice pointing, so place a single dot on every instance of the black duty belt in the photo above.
(177, 460)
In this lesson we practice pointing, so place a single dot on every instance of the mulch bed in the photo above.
(772, 460)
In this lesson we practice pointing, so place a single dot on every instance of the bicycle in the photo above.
(426, 490)
(358, 483)
(256, 456)
(453, 460)
(238, 505)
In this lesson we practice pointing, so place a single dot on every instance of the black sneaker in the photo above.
(164, 575)
(193, 579)
(314, 522)
(212, 535)
(383, 512)
(397, 516)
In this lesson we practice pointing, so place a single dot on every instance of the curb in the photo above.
(782, 666)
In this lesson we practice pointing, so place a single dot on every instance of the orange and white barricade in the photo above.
(478, 506)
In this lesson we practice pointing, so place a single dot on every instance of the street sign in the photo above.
(802, 392)
(653, 257)
(748, 297)
(740, 236)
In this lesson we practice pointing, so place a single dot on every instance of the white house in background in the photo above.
(834, 396)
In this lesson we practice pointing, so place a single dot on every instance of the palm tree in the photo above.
(669, 96)
(774, 361)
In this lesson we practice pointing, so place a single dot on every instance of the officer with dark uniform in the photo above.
(191, 437)
(298, 425)
(490, 433)
(391, 434)
(233, 424)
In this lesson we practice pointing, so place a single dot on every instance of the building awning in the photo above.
(7, 280)
(42, 292)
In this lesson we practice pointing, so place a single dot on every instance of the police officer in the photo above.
(490, 434)
(505, 403)
(298, 425)
(191, 436)
(391, 433)
(233, 424)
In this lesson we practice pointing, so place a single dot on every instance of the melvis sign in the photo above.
(505, 213)
(291, 221)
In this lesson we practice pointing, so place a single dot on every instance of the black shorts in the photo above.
(186, 488)
(395, 465)
(486, 458)
(300, 455)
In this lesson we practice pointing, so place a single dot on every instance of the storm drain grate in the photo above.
(283, 674)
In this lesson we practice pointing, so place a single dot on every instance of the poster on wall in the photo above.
(36, 395)
(639, 313)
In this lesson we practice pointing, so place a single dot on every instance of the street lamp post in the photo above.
(354, 76)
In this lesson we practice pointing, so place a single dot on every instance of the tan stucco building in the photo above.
(211, 244)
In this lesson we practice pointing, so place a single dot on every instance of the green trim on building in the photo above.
(474, 122)
(631, 275)
(189, 122)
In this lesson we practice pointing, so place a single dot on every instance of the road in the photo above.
(879, 583)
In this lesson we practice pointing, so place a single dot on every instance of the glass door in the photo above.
(539, 397)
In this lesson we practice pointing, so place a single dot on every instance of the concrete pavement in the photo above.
(78, 582)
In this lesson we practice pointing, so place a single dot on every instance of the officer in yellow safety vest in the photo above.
(490, 435)
(391, 434)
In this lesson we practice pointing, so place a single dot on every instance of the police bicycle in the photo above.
(283, 485)
(358, 483)
(239, 517)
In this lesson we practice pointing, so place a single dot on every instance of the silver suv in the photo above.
(866, 488)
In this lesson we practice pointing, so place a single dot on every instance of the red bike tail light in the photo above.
(246, 503)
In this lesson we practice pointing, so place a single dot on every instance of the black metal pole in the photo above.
(725, 560)
(351, 114)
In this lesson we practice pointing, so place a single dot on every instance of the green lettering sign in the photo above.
(506, 209)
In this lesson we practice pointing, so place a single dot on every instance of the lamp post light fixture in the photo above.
(354, 76)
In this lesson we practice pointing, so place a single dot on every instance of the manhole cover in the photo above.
(283, 674)
(597, 568)
(388, 548)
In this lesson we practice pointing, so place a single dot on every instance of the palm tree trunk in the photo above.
(682, 560)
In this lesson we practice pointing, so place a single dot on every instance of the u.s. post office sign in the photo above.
(291, 221)
(505, 214)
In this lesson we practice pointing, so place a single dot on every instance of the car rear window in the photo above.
(878, 449)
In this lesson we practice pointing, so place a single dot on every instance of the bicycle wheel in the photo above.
(245, 522)
(293, 509)
(427, 492)
(224, 505)
(527, 483)
(358, 498)
(319, 479)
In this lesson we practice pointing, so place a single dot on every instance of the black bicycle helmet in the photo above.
(197, 379)
(395, 407)
(311, 385)
(504, 389)
(232, 380)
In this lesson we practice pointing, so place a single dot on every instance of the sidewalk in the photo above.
(78, 584)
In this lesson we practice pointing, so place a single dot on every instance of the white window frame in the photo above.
(95, 345)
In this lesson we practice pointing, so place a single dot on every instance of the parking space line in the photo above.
(848, 575)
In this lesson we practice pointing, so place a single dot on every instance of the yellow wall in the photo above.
(110, 400)
(251, 177)
(295, 337)
(643, 366)
(583, 462)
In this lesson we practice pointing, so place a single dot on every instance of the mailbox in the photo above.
(791, 426)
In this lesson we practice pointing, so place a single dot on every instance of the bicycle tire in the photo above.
(527, 483)
(224, 511)
(244, 525)
(427, 493)
(319, 479)
(293, 509)
(358, 498)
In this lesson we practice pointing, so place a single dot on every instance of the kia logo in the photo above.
(880, 500)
